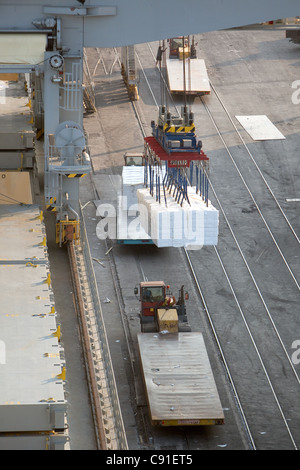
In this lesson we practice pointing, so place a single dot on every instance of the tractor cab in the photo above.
(152, 296)
(134, 159)
(159, 309)
(179, 48)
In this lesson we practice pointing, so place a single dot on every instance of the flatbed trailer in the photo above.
(179, 382)
(196, 78)
(127, 232)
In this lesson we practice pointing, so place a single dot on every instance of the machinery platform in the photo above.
(197, 81)
(17, 136)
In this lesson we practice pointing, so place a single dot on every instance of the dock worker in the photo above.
(159, 54)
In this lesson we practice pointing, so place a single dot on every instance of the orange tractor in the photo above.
(159, 309)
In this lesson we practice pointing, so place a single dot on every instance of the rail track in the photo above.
(291, 231)
(281, 399)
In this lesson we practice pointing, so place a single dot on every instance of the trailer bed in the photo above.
(180, 387)
(197, 82)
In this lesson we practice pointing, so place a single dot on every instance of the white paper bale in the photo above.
(144, 201)
(132, 180)
(191, 225)
(164, 221)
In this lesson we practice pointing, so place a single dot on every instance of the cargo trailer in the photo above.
(178, 379)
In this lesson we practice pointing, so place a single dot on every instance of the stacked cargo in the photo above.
(192, 224)
(132, 180)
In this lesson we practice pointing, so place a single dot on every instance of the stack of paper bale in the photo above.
(202, 219)
(128, 225)
(132, 180)
(191, 225)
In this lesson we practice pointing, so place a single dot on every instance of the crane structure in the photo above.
(46, 41)
(174, 142)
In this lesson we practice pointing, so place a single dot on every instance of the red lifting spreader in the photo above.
(174, 159)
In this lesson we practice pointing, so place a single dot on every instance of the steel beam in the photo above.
(74, 25)
(120, 23)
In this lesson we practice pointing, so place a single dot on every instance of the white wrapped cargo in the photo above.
(191, 225)
(132, 180)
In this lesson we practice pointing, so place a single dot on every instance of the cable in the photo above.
(15, 200)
